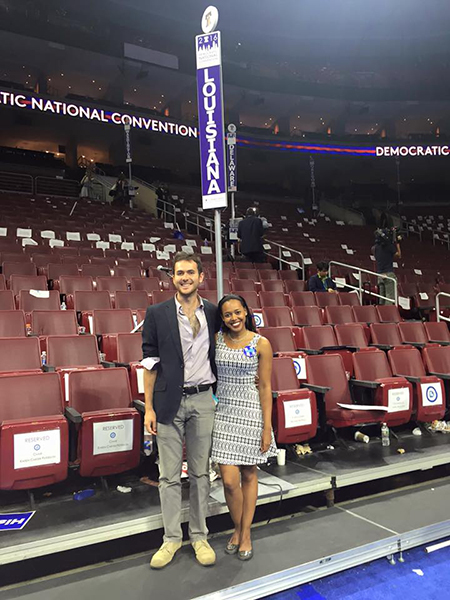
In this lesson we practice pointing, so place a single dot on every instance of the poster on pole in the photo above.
(232, 158)
(211, 121)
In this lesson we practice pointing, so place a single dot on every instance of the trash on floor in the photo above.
(302, 449)
(123, 489)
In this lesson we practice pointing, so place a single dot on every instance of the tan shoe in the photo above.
(164, 555)
(204, 553)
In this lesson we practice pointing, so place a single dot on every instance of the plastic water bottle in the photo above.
(63, 306)
(148, 442)
(385, 439)
(43, 357)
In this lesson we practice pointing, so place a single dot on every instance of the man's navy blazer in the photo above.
(161, 337)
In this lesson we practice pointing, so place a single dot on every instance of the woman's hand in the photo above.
(266, 439)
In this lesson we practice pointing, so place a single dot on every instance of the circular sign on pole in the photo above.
(232, 128)
(210, 19)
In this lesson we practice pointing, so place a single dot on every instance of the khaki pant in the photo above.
(386, 287)
(193, 424)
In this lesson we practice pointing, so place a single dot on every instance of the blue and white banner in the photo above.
(15, 521)
(232, 158)
(210, 119)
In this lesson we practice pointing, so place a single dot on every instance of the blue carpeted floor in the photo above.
(381, 581)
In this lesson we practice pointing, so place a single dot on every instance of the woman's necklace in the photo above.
(239, 339)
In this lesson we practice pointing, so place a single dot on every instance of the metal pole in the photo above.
(397, 162)
(233, 216)
(219, 263)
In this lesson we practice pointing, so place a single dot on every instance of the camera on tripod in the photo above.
(387, 235)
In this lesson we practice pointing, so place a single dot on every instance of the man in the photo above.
(321, 282)
(179, 356)
(250, 234)
(385, 250)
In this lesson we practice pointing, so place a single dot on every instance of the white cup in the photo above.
(281, 457)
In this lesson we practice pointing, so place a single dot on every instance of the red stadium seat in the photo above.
(68, 351)
(351, 335)
(267, 274)
(18, 268)
(302, 299)
(210, 295)
(34, 442)
(111, 284)
(133, 300)
(129, 353)
(307, 315)
(324, 299)
(251, 274)
(7, 300)
(43, 300)
(294, 413)
(20, 354)
(242, 285)
(437, 332)
(337, 315)
(24, 282)
(129, 272)
(385, 335)
(318, 340)
(366, 314)
(109, 433)
(148, 284)
(429, 395)
(107, 323)
(394, 392)
(277, 316)
(388, 313)
(162, 296)
(88, 301)
(272, 285)
(293, 285)
(251, 298)
(12, 323)
(327, 376)
(56, 271)
(349, 299)
(54, 322)
(69, 285)
(413, 333)
(96, 270)
(2, 282)
(288, 275)
(268, 299)
(437, 362)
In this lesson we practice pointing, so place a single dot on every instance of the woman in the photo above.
(242, 434)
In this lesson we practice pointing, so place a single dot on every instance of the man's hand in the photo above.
(150, 421)
(331, 291)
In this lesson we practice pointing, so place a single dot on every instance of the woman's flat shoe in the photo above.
(245, 554)
(231, 548)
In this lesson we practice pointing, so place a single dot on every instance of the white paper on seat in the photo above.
(56, 243)
(170, 248)
(398, 400)
(283, 218)
(174, 197)
(300, 367)
(327, 219)
(404, 303)
(114, 237)
(284, 229)
(73, 236)
(340, 282)
(356, 276)
(363, 407)
(417, 271)
(29, 242)
(102, 245)
(312, 239)
(149, 362)
(199, 209)
(177, 209)
(21, 232)
(206, 250)
(307, 261)
(258, 318)
(39, 293)
(93, 237)
(188, 249)
(37, 448)
(294, 265)
(191, 242)
(3, 231)
(340, 223)
(48, 234)
(344, 246)
(431, 394)
(394, 264)
(297, 413)
(148, 247)
(306, 234)
(286, 253)
(154, 239)
(127, 246)
(299, 224)
(349, 251)
(423, 296)
(168, 225)
(113, 436)
(267, 246)
(162, 255)
(372, 257)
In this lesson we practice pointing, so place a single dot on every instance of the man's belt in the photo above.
(196, 389)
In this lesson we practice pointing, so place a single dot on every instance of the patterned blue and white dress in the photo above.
(238, 422)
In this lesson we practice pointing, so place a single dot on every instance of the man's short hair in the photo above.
(179, 256)
(252, 211)
(322, 265)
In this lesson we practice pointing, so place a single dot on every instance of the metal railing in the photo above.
(360, 288)
(438, 307)
(18, 183)
(282, 259)
(439, 239)
(56, 187)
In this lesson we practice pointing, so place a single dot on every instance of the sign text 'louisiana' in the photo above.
(211, 122)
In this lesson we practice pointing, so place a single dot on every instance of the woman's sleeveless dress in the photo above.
(238, 422)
